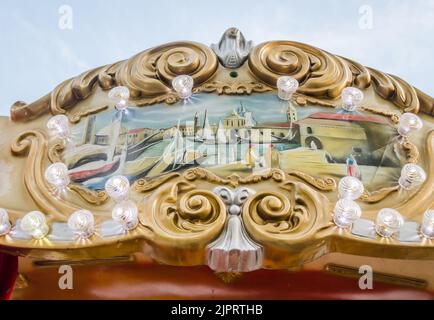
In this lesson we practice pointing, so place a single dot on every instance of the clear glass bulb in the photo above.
(408, 123)
(427, 228)
(118, 188)
(389, 222)
(351, 98)
(350, 188)
(57, 175)
(35, 224)
(120, 96)
(346, 213)
(5, 224)
(286, 87)
(82, 224)
(183, 85)
(126, 214)
(58, 126)
(412, 176)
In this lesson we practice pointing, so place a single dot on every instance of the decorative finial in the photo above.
(232, 50)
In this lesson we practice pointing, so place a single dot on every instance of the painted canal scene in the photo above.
(232, 134)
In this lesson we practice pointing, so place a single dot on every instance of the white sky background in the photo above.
(36, 54)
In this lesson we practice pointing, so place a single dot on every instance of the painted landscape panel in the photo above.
(233, 134)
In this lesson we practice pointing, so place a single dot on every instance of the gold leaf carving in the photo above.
(233, 180)
(378, 195)
(142, 185)
(34, 144)
(245, 87)
(288, 216)
(55, 150)
(181, 214)
(323, 184)
(76, 117)
(412, 152)
(149, 74)
(324, 75)
(97, 197)
(320, 73)
(394, 117)
(395, 89)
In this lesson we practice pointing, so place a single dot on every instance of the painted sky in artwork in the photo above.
(264, 107)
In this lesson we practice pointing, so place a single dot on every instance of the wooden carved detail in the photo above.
(233, 180)
(33, 144)
(394, 117)
(183, 218)
(246, 87)
(76, 117)
(148, 75)
(94, 197)
(378, 195)
(293, 213)
(323, 75)
(324, 184)
(411, 150)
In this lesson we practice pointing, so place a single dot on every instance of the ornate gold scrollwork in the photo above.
(35, 143)
(324, 75)
(184, 217)
(233, 180)
(221, 87)
(320, 74)
(411, 150)
(378, 195)
(292, 215)
(95, 197)
(324, 184)
(148, 75)
(76, 117)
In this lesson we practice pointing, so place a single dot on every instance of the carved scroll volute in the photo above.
(286, 219)
(150, 73)
(183, 220)
(320, 74)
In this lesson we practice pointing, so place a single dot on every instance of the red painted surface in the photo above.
(87, 174)
(145, 281)
(8, 275)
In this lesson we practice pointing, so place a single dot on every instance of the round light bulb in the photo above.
(118, 188)
(351, 98)
(389, 222)
(350, 188)
(346, 213)
(412, 176)
(57, 175)
(5, 224)
(82, 224)
(408, 123)
(120, 96)
(126, 214)
(35, 224)
(183, 85)
(58, 126)
(427, 228)
(286, 87)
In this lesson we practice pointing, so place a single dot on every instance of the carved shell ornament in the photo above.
(233, 49)
(236, 156)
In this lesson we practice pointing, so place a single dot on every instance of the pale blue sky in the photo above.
(36, 55)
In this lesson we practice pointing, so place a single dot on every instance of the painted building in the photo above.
(339, 134)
